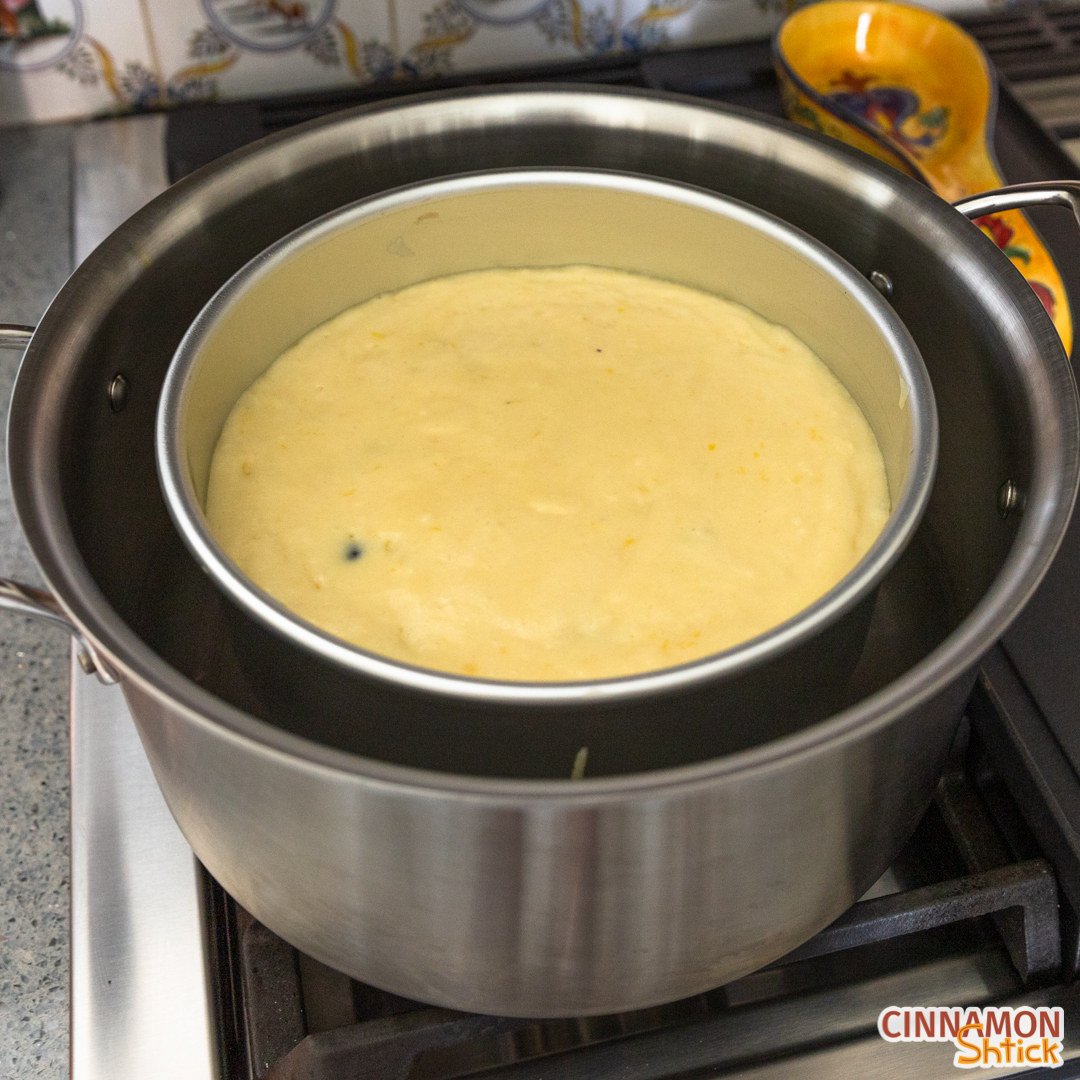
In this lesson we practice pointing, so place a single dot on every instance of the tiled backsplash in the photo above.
(64, 58)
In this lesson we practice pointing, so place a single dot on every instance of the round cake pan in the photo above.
(553, 217)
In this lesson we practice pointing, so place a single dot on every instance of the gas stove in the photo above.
(170, 977)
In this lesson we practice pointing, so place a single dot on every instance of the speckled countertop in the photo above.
(35, 259)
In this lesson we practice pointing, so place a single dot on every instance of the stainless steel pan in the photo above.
(541, 897)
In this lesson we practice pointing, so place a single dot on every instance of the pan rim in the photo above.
(904, 517)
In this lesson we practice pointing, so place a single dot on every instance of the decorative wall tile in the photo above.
(243, 48)
(440, 36)
(64, 58)
(653, 24)
(368, 34)
(71, 57)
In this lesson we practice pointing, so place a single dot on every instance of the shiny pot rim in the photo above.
(914, 386)
(80, 309)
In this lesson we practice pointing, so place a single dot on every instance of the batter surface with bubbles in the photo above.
(547, 475)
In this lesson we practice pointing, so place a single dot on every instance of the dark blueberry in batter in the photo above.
(353, 552)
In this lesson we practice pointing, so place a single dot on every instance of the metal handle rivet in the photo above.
(118, 393)
(1009, 499)
(881, 282)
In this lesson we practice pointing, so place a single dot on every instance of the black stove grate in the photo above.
(1030, 40)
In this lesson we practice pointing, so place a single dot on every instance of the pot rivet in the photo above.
(118, 393)
(881, 282)
(1009, 499)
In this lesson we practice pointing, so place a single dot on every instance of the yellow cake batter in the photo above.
(547, 475)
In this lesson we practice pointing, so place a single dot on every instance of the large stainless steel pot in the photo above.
(514, 217)
(542, 897)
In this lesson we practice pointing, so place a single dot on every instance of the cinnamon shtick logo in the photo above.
(983, 1038)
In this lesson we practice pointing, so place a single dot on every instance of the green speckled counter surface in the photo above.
(35, 259)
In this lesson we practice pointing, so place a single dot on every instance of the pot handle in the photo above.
(14, 336)
(1021, 196)
(27, 600)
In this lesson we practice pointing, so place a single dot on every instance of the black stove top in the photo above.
(980, 907)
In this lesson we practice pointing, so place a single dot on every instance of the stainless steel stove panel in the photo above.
(140, 998)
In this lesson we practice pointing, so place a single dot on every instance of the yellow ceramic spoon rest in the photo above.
(913, 89)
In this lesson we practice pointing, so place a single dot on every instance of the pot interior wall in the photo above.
(109, 481)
